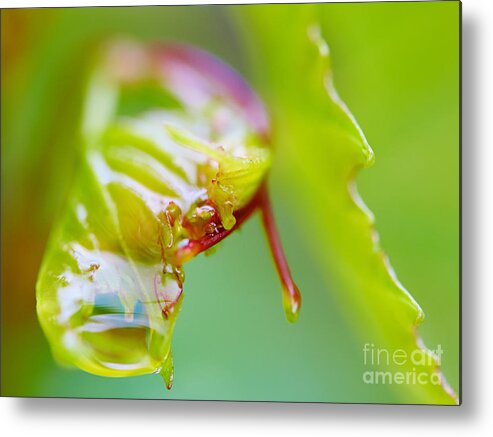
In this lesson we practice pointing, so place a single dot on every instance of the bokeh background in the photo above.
(397, 68)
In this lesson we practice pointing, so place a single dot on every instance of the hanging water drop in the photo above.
(167, 371)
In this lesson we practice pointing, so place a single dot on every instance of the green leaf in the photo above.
(321, 147)
(174, 153)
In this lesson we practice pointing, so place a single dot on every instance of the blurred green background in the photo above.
(396, 67)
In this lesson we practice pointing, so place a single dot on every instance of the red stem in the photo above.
(291, 293)
(194, 247)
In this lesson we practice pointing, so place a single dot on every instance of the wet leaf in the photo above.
(174, 155)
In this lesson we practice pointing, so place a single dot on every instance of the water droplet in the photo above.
(291, 300)
(167, 370)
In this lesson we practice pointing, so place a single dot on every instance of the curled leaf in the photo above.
(175, 156)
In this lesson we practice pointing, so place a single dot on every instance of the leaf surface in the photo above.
(320, 146)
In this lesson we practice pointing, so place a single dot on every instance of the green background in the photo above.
(396, 66)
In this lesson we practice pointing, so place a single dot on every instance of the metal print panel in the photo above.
(249, 203)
